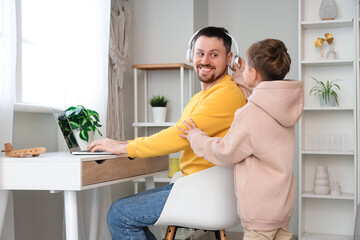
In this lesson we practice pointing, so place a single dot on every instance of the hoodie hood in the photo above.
(283, 100)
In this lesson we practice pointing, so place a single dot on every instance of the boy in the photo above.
(260, 142)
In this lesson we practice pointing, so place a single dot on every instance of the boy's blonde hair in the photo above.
(270, 58)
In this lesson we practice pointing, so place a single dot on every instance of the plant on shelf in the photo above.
(84, 120)
(326, 91)
(319, 42)
(158, 104)
(158, 101)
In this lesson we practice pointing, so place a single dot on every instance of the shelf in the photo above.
(312, 152)
(327, 24)
(336, 62)
(160, 86)
(327, 109)
(321, 236)
(154, 124)
(165, 66)
(329, 135)
(343, 196)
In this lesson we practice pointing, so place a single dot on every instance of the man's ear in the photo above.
(229, 57)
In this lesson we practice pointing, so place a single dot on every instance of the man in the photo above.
(212, 109)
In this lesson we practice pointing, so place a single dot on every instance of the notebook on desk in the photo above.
(69, 137)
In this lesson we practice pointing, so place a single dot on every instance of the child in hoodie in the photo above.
(260, 142)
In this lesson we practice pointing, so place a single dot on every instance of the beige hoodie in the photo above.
(261, 143)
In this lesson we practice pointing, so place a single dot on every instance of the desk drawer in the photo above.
(119, 168)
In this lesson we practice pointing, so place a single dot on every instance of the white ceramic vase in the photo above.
(321, 183)
(82, 143)
(159, 114)
(335, 189)
(328, 10)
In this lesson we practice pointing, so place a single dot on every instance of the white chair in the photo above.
(204, 200)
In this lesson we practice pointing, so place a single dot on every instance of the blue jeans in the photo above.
(129, 218)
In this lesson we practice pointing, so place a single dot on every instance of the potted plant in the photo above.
(84, 122)
(326, 91)
(158, 104)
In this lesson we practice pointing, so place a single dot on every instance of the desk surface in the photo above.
(55, 156)
(64, 171)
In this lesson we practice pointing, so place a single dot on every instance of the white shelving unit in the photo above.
(144, 122)
(181, 68)
(329, 136)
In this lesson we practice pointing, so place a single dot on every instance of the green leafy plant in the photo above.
(84, 120)
(158, 101)
(326, 89)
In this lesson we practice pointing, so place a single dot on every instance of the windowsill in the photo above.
(27, 107)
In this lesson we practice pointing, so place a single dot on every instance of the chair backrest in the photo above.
(203, 200)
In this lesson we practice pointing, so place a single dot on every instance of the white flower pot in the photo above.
(159, 114)
(330, 103)
(83, 144)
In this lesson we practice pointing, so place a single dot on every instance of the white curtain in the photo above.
(89, 88)
(91, 91)
(7, 96)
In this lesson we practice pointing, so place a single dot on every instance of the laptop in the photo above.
(69, 137)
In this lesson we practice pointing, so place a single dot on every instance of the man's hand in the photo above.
(190, 126)
(109, 145)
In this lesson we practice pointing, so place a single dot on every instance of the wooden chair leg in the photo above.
(170, 233)
(222, 234)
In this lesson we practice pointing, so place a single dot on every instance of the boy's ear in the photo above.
(255, 73)
(257, 78)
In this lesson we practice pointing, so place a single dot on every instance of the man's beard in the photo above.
(209, 78)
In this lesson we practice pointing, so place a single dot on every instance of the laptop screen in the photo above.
(65, 129)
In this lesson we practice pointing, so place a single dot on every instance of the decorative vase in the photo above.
(159, 114)
(335, 189)
(331, 54)
(328, 10)
(330, 103)
(82, 143)
(321, 183)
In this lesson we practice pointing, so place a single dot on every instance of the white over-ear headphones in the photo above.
(189, 53)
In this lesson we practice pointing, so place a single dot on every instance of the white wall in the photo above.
(251, 21)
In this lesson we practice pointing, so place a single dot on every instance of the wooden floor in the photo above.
(229, 236)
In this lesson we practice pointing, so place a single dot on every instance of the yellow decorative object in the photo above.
(174, 166)
(329, 38)
(320, 42)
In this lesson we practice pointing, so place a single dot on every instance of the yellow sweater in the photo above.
(213, 112)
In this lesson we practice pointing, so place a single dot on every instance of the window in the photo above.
(63, 57)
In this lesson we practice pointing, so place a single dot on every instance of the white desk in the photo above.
(62, 171)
